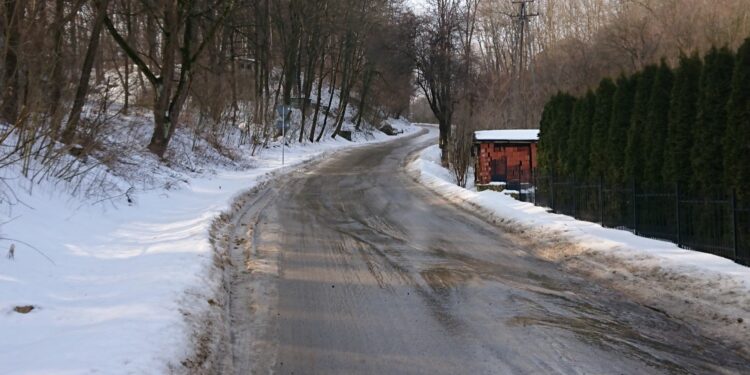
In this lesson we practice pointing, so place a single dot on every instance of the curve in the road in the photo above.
(350, 267)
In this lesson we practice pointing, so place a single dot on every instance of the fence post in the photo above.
(601, 200)
(552, 192)
(635, 208)
(575, 198)
(733, 201)
(677, 212)
(534, 185)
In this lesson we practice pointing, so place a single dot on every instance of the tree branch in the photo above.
(132, 54)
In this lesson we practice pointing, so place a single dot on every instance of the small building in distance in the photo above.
(504, 159)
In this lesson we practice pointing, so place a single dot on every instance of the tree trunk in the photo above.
(342, 114)
(346, 80)
(319, 92)
(56, 81)
(68, 134)
(131, 41)
(159, 142)
(365, 90)
(308, 84)
(11, 81)
(167, 109)
(445, 136)
(331, 88)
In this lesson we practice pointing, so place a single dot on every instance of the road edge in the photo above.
(209, 350)
(595, 265)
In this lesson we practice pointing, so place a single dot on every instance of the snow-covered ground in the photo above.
(111, 282)
(711, 291)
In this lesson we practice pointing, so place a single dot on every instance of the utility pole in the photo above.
(521, 20)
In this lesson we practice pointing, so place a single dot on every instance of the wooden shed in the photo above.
(505, 157)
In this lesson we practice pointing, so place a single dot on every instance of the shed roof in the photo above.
(527, 135)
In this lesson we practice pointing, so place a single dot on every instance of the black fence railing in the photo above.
(519, 179)
(713, 223)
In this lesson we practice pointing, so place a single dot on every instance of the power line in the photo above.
(521, 20)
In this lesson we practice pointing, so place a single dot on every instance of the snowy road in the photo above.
(350, 267)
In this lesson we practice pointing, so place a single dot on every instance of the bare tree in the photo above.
(12, 18)
(186, 30)
(436, 64)
(68, 134)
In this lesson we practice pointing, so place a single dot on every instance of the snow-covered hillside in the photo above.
(111, 270)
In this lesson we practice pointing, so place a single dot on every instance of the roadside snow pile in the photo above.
(710, 290)
(430, 165)
(105, 287)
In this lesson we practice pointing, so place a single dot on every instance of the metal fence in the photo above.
(713, 223)
(518, 179)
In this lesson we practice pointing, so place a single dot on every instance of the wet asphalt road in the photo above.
(360, 270)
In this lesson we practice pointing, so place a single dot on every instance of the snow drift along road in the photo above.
(707, 290)
(124, 278)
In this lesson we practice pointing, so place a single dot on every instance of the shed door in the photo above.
(499, 169)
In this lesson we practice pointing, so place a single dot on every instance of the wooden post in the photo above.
(677, 212)
(552, 191)
(534, 184)
(531, 163)
(735, 237)
(635, 208)
(601, 200)
(574, 191)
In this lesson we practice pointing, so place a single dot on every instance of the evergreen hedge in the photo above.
(689, 125)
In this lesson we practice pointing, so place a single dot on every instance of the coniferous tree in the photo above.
(682, 118)
(655, 129)
(737, 139)
(571, 153)
(546, 136)
(599, 157)
(622, 107)
(555, 129)
(563, 119)
(634, 159)
(715, 87)
(580, 145)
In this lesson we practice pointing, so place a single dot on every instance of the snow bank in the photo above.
(113, 295)
(709, 289)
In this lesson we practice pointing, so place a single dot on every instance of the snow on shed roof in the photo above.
(507, 135)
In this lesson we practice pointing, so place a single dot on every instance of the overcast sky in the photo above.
(417, 5)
